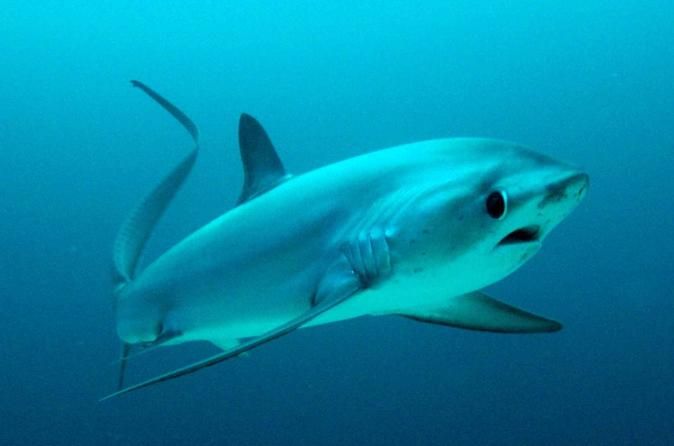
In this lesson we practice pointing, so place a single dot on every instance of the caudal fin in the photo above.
(136, 229)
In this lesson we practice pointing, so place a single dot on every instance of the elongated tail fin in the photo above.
(136, 230)
(123, 360)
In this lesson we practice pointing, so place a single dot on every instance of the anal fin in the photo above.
(225, 344)
(477, 311)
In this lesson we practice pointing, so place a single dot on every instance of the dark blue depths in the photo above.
(585, 81)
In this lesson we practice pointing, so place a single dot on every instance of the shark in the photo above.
(417, 230)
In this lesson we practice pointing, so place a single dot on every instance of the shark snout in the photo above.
(576, 185)
(572, 188)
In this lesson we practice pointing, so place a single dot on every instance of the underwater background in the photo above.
(590, 82)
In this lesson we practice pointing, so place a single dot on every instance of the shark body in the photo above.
(416, 230)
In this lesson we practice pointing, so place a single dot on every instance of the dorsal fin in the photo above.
(262, 167)
(138, 226)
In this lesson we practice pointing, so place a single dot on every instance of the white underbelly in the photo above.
(254, 317)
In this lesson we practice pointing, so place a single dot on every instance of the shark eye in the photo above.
(497, 204)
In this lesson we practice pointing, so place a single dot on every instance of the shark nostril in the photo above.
(582, 190)
(578, 181)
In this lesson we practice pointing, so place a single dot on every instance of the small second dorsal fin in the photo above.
(262, 167)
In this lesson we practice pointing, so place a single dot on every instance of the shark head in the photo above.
(484, 211)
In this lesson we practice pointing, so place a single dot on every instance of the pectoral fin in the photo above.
(477, 311)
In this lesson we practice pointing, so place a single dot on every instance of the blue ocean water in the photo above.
(590, 82)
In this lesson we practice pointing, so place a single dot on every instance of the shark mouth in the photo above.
(526, 234)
